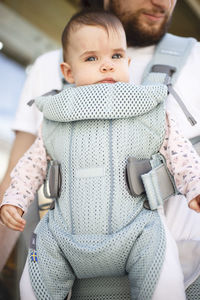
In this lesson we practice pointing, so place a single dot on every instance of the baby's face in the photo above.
(97, 57)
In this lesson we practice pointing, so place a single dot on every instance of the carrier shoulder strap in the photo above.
(172, 51)
(169, 58)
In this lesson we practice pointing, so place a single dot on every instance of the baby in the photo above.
(96, 228)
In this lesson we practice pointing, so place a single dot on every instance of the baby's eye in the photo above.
(117, 56)
(91, 58)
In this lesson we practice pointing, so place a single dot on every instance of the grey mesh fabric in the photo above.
(108, 288)
(193, 291)
(97, 228)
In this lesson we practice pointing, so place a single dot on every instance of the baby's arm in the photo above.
(26, 178)
(183, 163)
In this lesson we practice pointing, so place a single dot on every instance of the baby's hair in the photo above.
(99, 18)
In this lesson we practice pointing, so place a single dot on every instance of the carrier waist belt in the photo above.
(142, 176)
(153, 178)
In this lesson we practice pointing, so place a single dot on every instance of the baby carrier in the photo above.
(140, 111)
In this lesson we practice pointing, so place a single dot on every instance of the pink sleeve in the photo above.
(182, 160)
(27, 176)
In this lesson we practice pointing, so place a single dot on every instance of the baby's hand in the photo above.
(11, 217)
(195, 204)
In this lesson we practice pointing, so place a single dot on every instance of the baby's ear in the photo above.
(67, 72)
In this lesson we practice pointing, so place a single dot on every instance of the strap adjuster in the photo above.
(168, 70)
(134, 169)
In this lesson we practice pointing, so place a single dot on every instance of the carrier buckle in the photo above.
(52, 186)
(134, 169)
(151, 177)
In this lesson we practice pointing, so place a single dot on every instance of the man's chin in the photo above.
(145, 41)
(142, 31)
(145, 35)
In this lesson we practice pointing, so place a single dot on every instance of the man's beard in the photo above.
(138, 35)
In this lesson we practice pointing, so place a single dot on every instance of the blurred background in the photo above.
(29, 28)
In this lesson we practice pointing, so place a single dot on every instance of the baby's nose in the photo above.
(107, 67)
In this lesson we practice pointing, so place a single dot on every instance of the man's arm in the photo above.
(23, 140)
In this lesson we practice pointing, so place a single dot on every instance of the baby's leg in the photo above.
(26, 291)
(146, 280)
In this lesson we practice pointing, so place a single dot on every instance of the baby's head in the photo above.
(94, 49)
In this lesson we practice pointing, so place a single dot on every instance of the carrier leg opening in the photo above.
(26, 290)
(153, 265)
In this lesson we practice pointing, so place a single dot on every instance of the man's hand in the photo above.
(195, 204)
(11, 217)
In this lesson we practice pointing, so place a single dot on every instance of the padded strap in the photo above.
(173, 51)
(159, 183)
(151, 177)
(159, 186)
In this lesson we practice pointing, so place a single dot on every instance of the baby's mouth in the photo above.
(107, 80)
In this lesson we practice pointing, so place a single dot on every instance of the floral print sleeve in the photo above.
(27, 176)
(182, 160)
